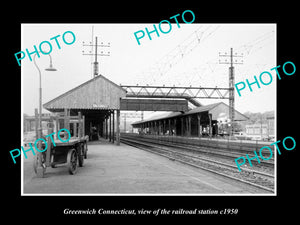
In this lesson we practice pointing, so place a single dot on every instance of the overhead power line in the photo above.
(168, 61)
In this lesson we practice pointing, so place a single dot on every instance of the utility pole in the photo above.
(231, 83)
(125, 123)
(133, 115)
(96, 64)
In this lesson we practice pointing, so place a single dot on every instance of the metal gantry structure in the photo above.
(185, 92)
(189, 93)
(145, 91)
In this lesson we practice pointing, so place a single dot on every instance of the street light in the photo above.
(50, 67)
(40, 133)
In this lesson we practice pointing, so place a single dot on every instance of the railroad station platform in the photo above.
(111, 169)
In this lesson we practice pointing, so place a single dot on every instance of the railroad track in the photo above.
(251, 177)
(231, 155)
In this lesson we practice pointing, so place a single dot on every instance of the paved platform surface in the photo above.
(111, 169)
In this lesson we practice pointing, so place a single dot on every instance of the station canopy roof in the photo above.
(97, 93)
(219, 111)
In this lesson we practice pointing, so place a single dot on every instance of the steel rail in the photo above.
(138, 144)
(198, 149)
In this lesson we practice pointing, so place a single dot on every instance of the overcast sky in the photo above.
(130, 63)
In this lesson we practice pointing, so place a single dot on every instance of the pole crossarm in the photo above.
(176, 92)
(134, 115)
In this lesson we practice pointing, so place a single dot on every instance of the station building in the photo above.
(98, 101)
(203, 120)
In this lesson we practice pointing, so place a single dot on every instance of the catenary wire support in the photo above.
(102, 53)
(231, 81)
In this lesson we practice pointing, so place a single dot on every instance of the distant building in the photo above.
(197, 122)
(257, 130)
(261, 130)
(29, 123)
(271, 126)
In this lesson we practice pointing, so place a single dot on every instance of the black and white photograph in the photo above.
(131, 109)
(138, 112)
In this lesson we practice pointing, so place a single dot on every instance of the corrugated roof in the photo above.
(203, 108)
(206, 108)
(158, 117)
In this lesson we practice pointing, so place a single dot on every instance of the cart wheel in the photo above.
(53, 165)
(72, 161)
(81, 155)
(85, 149)
(39, 170)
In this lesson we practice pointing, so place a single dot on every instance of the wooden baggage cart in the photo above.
(70, 153)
